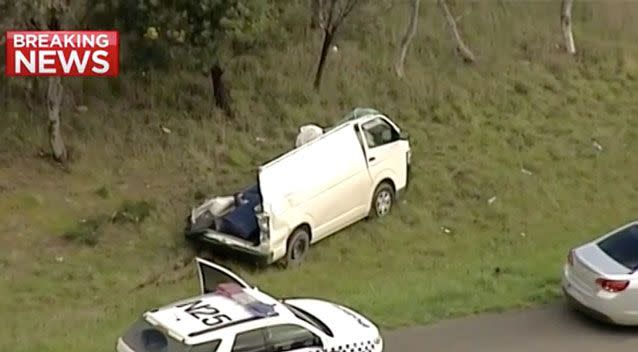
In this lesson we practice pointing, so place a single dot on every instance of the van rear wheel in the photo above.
(382, 201)
(298, 246)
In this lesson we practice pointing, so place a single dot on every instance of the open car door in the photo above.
(211, 275)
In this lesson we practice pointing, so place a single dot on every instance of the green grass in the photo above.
(476, 131)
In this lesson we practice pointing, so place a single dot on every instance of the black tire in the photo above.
(298, 245)
(382, 200)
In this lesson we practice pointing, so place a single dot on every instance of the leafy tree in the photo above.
(202, 34)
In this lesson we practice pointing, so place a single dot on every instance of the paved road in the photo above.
(554, 328)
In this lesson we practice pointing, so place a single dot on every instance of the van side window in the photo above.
(378, 132)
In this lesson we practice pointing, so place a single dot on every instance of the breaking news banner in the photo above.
(62, 53)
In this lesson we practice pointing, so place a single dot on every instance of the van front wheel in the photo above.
(382, 201)
(298, 246)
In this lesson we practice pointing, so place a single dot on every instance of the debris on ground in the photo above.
(597, 145)
(165, 129)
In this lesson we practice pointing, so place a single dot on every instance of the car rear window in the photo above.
(623, 246)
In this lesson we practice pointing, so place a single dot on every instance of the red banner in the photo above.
(62, 53)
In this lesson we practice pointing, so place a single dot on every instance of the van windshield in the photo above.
(357, 113)
(143, 337)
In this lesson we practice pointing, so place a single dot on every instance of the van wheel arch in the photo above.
(389, 181)
(301, 236)
(387, 185)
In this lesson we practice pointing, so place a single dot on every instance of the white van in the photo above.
(351, 171)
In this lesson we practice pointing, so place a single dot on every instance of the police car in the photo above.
(231, 316)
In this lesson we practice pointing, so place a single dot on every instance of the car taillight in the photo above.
(612, 285)
(570, 258)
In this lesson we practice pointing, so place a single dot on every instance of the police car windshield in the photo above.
(143, 337)
(310, 319)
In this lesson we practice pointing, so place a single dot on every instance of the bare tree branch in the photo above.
(329, 24)
(410, 31)
(460, 17)
(461, 47)
(333, 13)
(315, 14)
(349, 5)
(566, 24)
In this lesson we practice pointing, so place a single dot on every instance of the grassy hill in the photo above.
(521, 125)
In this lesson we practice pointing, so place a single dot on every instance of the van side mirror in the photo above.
(404, 135)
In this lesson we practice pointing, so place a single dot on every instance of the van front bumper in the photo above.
(224, 241)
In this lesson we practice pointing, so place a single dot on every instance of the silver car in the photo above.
(601, 277)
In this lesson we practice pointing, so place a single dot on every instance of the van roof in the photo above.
(349, 119)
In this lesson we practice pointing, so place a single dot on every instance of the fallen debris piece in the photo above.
(165, 129)
(525, 171)
(491, 200)
(597, 145)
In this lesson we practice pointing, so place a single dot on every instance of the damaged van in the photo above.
(349, 172)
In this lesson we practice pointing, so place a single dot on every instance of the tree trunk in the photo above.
(222, 97)
(327, 41)
(407, 37)
(566, 24)
(462, 49)
(54, 103)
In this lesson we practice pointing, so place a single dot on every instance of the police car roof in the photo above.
(203, 318)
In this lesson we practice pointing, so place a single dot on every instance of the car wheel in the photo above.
(382, 201)
(298, 246)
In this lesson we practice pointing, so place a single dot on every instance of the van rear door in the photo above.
(327, 177)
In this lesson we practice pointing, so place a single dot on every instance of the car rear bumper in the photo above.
(604, 309)
(581, 307)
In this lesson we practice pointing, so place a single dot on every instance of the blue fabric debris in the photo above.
(242, 221)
